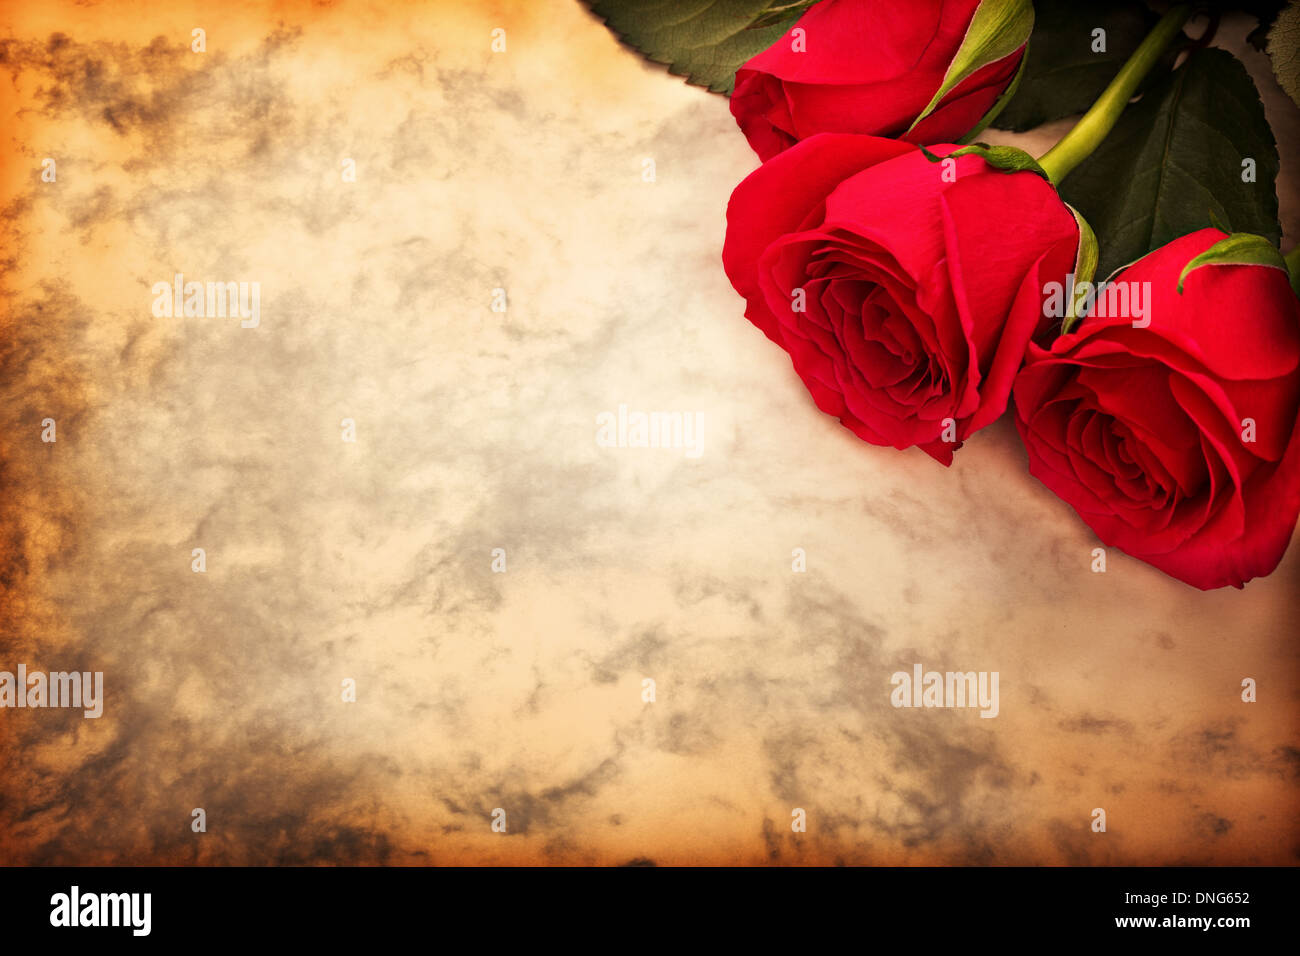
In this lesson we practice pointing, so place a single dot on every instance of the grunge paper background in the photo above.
(475, 430)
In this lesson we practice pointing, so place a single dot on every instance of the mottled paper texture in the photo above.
(371, 561)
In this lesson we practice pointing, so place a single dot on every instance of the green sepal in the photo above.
(1008, 159)
(1085, 268)
(1000, 103)
(998, 29)
(1239, 249)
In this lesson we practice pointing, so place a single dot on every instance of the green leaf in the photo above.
(1063, 75)
(1085, 268)
(1284, 50)
(998, 29)
(1241, 248)
(1175, 158)
(780, 13)
(705, 41)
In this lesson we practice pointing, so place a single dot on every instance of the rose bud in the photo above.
(928, 71)
(1173, 433)
(905, 290)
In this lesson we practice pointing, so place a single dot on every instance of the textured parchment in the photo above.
(371, 560)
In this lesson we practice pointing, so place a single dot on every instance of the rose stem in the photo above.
(1087, 134)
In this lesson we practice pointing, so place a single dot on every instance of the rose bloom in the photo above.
(870, 66)
(905, 300)
(1177, 442)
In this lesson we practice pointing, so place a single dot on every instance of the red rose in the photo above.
(1177, 442)
(866, 66)
(905, 300)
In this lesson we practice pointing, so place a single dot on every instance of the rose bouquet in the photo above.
(1124, 292)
